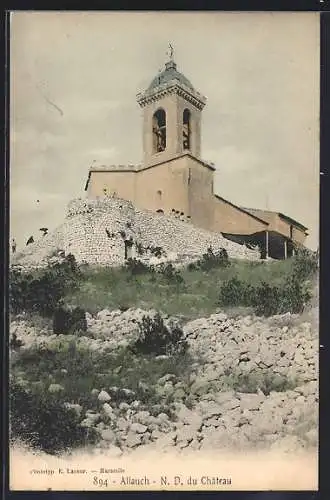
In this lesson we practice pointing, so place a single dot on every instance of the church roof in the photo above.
(265, 213)
(169, 74)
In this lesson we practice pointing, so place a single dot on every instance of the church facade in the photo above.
(174, 180)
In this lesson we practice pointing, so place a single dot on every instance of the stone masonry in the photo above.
(95, 231)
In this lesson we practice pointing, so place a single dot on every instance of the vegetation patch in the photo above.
(194, 292)
(211, 260)
(42, 421)
(45, 378)
(40, 291)
(157, 338)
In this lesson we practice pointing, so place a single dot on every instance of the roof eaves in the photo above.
(293, 221)
(88, 178)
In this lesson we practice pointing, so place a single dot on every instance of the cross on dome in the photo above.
(170, 52)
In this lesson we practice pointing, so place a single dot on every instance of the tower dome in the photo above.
(169, 74)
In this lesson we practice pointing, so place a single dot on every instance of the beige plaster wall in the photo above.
(229, 219)
(298, 235)
(169, 178)
(200, 194)
(121, 183)
(283, 227)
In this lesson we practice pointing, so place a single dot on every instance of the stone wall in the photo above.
(95, 231)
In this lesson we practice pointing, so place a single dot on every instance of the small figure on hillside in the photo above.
(44, 230)
(13, 245)
(108, 233)
(30, 240)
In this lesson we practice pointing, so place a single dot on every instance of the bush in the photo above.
(288, 297)
(136, 267)
(41, 290)
(171, 274)
(15, 343)
(211, 260)
(139, 248)
(69, 320)
(266, 300)
(157, 251)
(235, 292)
(254, 381)
(305, 264)
(43, 422)
(156, 338)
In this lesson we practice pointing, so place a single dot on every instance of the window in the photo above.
(186, 129)
(159, 131)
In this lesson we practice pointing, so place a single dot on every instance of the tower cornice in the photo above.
(153, 95)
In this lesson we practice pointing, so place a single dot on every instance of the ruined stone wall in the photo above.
(95, 231)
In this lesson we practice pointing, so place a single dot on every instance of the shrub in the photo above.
(69, 320)
(235, 292)
(139, 248)
(171, 274)
(254, 381)
(15, 343)
(135, 267)
(266, 299)
(41, 290)
(211, 260)
(290, 296)
(157, 338)
(305, 264)
(157, 251)
(43, 422)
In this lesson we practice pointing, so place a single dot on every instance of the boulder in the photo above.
(104, 397)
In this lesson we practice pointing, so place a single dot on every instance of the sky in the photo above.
(74, 77)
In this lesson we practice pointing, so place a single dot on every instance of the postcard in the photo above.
(163, 281)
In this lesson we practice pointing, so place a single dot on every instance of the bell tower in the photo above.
(172, 111)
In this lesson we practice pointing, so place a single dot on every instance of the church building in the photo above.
(173, 179)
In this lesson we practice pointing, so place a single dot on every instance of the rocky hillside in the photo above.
(250, 382)
(95, 232)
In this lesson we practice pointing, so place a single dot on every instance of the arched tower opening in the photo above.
(186, 130)
(159, 131)
(172, 111)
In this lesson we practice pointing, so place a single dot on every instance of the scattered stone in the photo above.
(104, 396)
(108, 435)
(77, 408)
(54, 388)
(139, 428)
(133, 439)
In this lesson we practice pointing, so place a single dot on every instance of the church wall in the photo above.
(228, 219)
(200, 191)
(121, 183)
(298, 235)
(277, 224)
(171, 180)
(281, 226)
